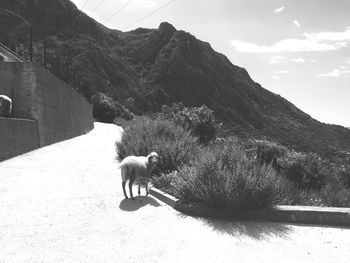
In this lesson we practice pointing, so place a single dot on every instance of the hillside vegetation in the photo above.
(232, 173)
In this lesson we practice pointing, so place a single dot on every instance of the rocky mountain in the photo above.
(146, 68)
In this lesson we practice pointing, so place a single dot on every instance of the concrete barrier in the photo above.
(61, 113)
(17, 136)
(332, 216)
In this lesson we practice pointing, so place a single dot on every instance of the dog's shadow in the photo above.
(139, 202)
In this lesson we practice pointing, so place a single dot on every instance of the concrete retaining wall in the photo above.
(61, 113)
(17, 136)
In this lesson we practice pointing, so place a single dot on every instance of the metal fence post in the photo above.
(44, 55)
(31, 44)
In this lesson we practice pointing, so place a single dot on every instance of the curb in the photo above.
(166, 198)
(313, 215)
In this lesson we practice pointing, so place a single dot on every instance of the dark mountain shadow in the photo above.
(139, 202)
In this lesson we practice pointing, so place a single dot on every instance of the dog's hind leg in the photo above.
(123, 185)
(139, 183)
(132, 179)
(130, 190)
(124, 172)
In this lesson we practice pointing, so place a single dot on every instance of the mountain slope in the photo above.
(146, 68)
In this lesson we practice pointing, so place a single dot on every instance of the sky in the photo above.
(297, 49)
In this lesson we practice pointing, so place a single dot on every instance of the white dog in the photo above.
(137, 167)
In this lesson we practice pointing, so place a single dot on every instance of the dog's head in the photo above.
(153, 158)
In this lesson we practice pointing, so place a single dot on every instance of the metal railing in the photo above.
(49, 58)
(20, 59)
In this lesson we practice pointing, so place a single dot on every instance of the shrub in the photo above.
(269, 152)
(174, 144)
(200, 120)
(164, 182)
(342, 171)
(106, 110)
(307, 171)
(225, 177)
(335, 191)
(335, 195)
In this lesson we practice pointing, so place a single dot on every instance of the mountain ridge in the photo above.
(146, 68)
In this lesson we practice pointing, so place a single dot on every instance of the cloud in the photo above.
(339, 37)
(348, 60)
(296, 22)
(278, 10)
(285, 45)
(334, 73)
(275, 59)
(276, 77)
(298, 60)
(322, 41)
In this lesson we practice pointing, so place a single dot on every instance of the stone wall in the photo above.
(59, 111)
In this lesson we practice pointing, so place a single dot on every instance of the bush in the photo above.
(225, 177)
(269, 152)
(342, 171)
(336, 192)
(164, 182)
(221, 174)
(106, 110)
(174, 144)
(335, 195)
(307, 171)
(200, 120)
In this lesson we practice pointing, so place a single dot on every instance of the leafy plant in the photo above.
(106, 110)
(174, 144)
(200, 120)
(225, 177)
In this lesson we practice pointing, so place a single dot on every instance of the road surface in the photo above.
(64, 203)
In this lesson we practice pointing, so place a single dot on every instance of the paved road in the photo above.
(64, 203)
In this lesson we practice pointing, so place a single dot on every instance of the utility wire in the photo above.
(150, 14)
(120, 9)
(84, 4)
(97, 7)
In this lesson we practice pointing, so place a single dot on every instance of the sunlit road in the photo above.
(64, 203)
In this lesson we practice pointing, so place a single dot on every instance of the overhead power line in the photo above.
(98, 6)
(150, 14)
(120, 9)
(84, 4)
